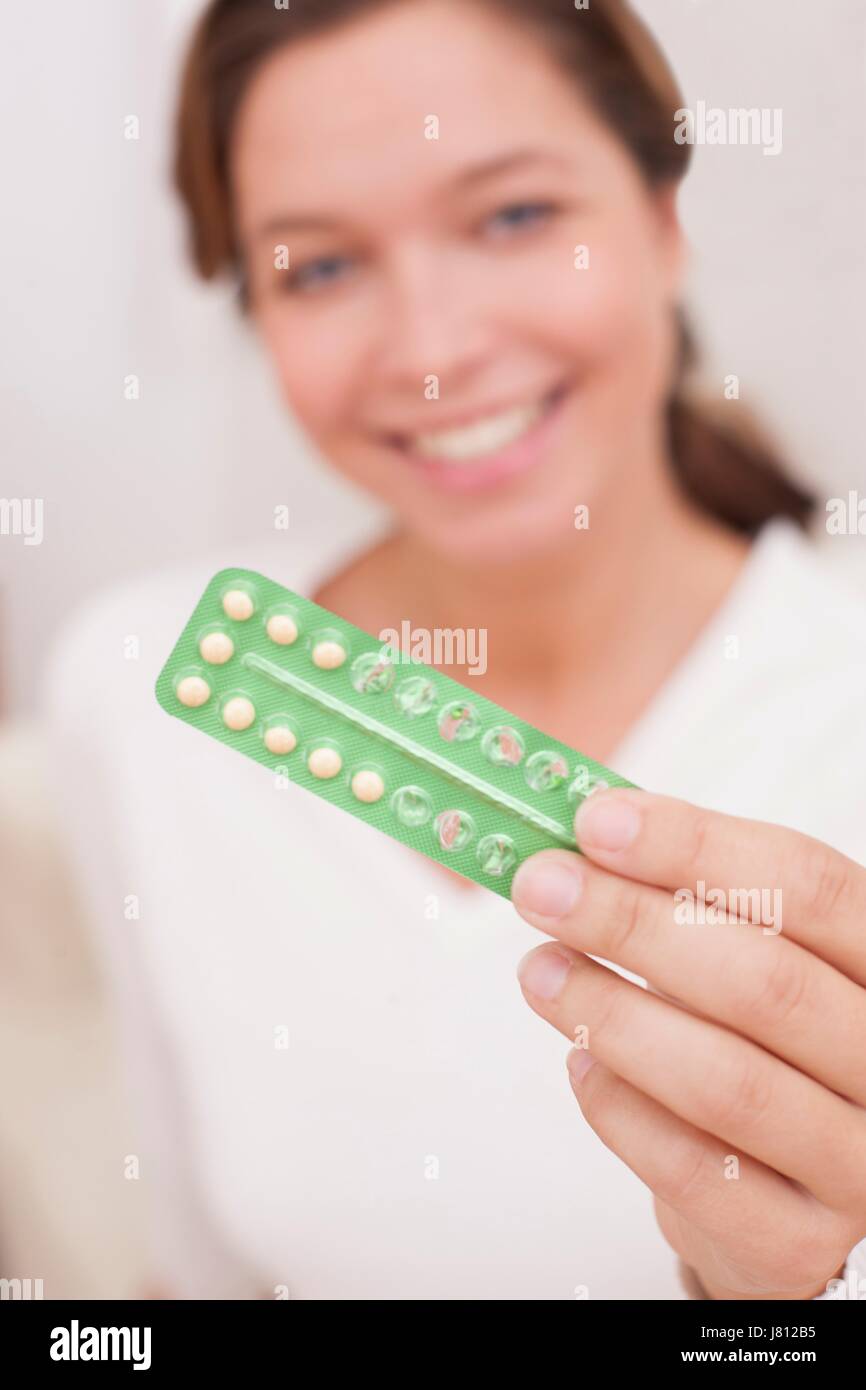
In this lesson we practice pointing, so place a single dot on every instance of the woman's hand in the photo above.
(734, 1087)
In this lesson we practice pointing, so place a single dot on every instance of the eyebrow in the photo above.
(503, 164)
(467, 178)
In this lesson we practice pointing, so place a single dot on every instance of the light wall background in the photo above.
(95, 287)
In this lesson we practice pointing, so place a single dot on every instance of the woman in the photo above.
(454, 227)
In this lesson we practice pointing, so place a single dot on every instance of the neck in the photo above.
(638, 583)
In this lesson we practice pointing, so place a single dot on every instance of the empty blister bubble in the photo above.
(426, 760)
(412, 806)
(545, 771)
(454, 829)
(503, 746)
(416, 695)
(458, 722)
(496, 855)
(583, 785)
(372, 673)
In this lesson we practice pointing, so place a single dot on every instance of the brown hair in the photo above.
(727, 469)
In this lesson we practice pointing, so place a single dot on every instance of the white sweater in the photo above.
(417, 1137)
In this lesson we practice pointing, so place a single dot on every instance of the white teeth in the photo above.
(485, 437)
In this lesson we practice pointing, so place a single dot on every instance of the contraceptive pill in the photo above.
(280, 739)
(324, 762)
(193, 691)
(282, 629)
(239, 713)
(328, 654)
(335, 711)
(238, 604)
(368, 786)
(216, 648)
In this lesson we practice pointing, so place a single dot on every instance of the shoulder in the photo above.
(806, 612)
(130, 629)
(114, 645)
(820, 583)
(799, 704)
(764, 718)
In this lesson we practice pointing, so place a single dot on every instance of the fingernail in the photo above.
(607, 823)
(579, 1062)
(547, 887)
(543, 972)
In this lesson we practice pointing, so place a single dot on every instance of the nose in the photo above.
(434, 322)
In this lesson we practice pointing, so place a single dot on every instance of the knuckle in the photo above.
(774, 999)
(742, 1097)
(825, 880)
(628, 917)
(849, 1168)
(682, 1176)
(700, 832)
(611, 1011)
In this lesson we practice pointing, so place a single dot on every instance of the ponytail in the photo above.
(728, 467)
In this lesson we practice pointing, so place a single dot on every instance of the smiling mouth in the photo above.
(484, 439)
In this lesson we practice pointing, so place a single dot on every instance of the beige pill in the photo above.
(367, 785)
(237, 604)
(328, 655)
(238, 713)
(280, 739)
(282, 629)
(324, 762)
(193, 691)
(216, 648)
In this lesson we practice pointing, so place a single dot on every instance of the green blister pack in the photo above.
(396, 743)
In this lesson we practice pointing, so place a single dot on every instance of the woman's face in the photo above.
(438, 331)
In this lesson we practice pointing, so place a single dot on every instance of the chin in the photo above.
(501, 537)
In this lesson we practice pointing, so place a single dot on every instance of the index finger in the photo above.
(767, 873)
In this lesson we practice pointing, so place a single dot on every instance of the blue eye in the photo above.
(317, 274)
(518, 216)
